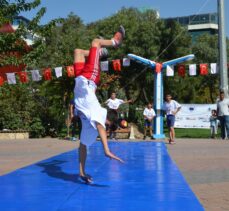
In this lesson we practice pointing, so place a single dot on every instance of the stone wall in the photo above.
(12, 135)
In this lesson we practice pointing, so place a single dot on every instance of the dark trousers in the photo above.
(224, 125)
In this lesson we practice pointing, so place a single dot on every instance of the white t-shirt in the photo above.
(149, 113)
(114, 104)
(222, 107)
(171, 107)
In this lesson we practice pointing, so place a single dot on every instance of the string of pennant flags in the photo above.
(204, 69)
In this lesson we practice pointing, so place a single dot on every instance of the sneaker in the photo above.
(103, 53)
(118, 37)
(172, 141)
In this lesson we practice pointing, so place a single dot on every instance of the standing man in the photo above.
(223, 114)
(75, 120)
(148, 114)
(171, 107)
(113, 103)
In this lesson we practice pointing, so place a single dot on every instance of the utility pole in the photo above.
(222, 49)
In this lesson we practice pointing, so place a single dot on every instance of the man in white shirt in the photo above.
(113, 103)
(171, 107)
(223, 114)
(148, 114)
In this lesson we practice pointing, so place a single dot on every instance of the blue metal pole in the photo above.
(159, 89)
(158, 132)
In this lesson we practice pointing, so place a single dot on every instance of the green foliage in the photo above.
(19, 110)
(42, 108)
(14, 42)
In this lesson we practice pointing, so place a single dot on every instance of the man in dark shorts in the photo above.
(171, 107)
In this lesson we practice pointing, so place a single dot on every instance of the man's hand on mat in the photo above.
(112, 156)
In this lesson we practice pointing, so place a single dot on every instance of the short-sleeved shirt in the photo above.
(114, 104)
(170, 107)
(223, 107)
(149, 113)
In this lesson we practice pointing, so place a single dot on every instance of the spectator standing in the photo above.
(171, 107)
(223, 114)
(148, 114)
(213, 123)
(113, 103)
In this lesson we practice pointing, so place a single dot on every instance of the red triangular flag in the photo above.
(70, 71)
(117, 65)
(1, 81)
(158, 67)
(203, 69)
(181, 70)
(47, 74)
(23, 77)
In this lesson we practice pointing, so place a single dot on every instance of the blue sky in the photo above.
(92, 10)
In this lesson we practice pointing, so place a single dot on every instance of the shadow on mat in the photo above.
(53, 169)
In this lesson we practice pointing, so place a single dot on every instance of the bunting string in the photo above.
(48, 73)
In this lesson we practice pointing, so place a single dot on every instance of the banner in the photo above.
(104, 66)
(192, 69)
(126, 62)
(58, 71)
(23, 77)
(181, 70)
(36, 75)
(169, 70)
(11, 78)
(194, 116)
(117, 65)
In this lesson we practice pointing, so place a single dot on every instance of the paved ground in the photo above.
(204, 163)
(19, 153)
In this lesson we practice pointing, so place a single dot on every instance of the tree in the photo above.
(206, 51)
(17, 102)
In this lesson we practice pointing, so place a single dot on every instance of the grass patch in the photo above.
(191, 133)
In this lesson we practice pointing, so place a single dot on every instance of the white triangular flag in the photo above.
(36, 75)
(58, 71)
(169, 70)
(214, 68)
(192, 69)
(104, 66)
(11, 78)
(126, 62)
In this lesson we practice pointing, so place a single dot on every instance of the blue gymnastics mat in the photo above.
(149, 180)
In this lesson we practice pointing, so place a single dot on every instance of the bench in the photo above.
(121, 133)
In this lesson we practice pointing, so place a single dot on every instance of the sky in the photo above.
(92, 10)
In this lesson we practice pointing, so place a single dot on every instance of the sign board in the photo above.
(194, 116)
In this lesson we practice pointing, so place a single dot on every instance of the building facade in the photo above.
(199, 24)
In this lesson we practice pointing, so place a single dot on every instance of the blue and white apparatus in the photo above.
(158, 88)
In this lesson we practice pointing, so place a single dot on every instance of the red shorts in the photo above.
(90, 69)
